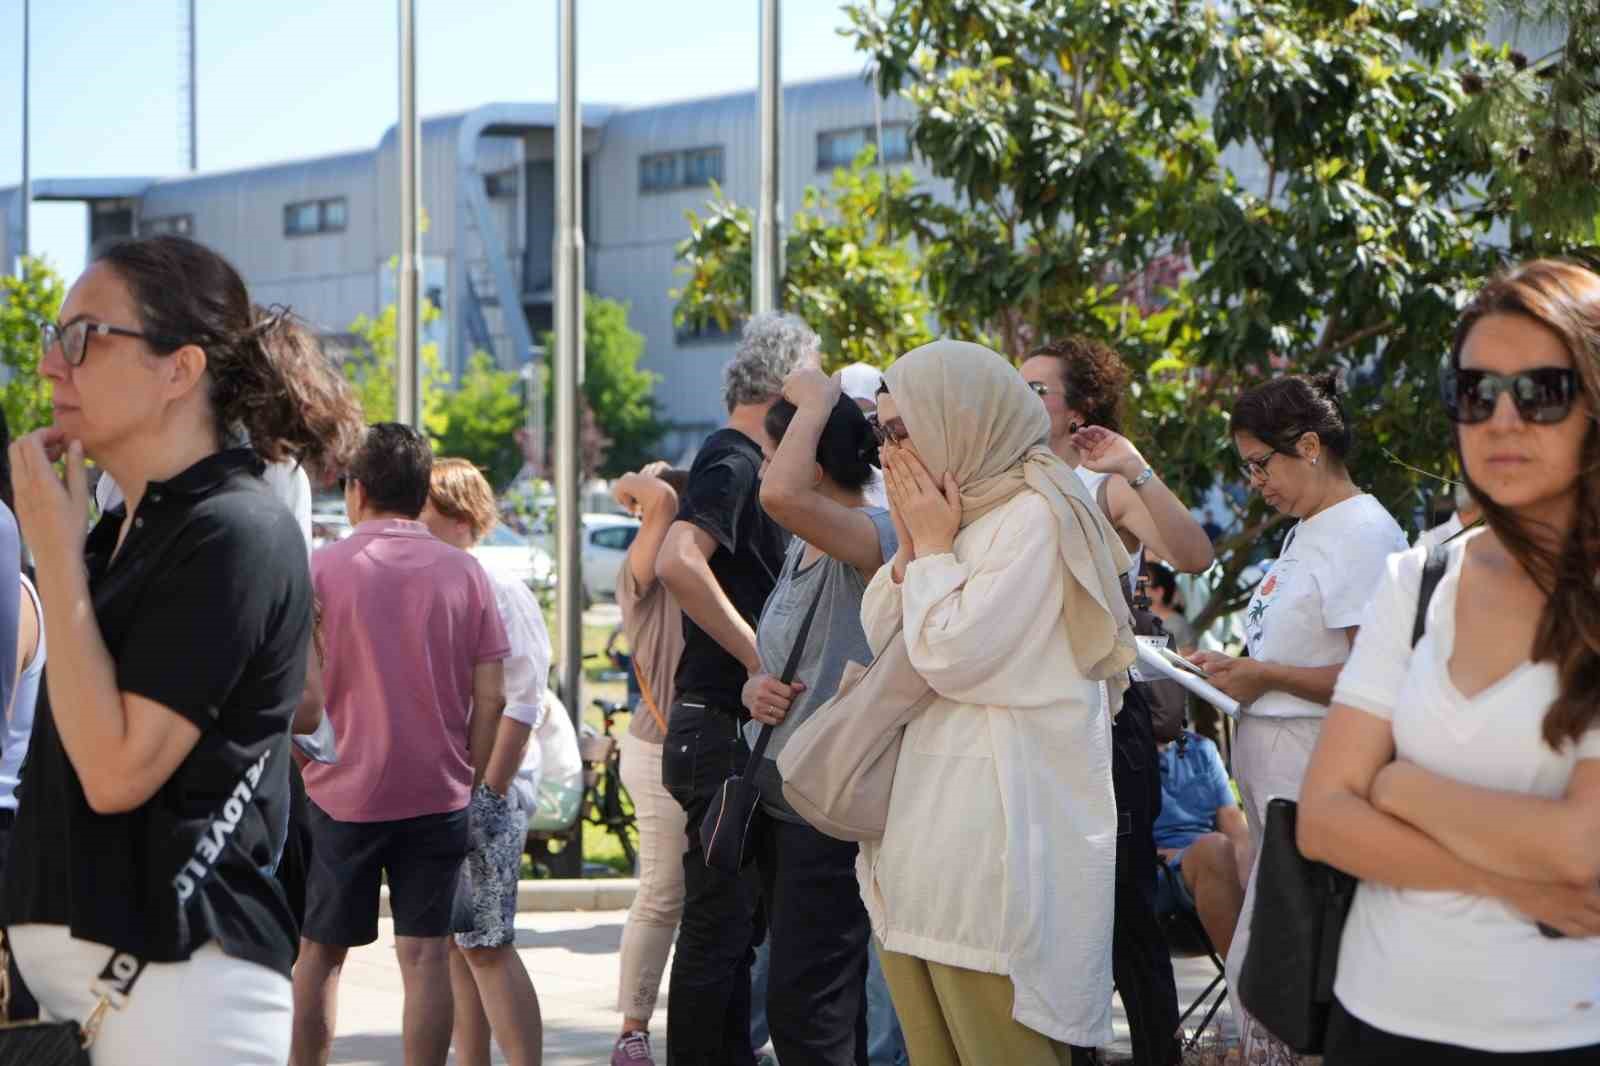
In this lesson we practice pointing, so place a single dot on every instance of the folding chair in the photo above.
(1187, 939)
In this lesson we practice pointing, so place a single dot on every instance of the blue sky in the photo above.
(281, 79)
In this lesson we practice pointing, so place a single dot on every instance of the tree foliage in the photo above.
(1225, 192)
(620, 428)
(849, 268)
(478, 420)
(27, 301)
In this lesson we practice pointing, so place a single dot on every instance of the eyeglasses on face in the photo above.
(1255, 467)
(74, 337)
(1543, 395)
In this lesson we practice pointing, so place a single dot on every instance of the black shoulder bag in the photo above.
(41, 1043)
(1286, 981)
(726, 825)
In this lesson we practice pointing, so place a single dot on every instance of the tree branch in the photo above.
(1381, 329)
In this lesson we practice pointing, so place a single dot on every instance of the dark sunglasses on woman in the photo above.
(1543, 395)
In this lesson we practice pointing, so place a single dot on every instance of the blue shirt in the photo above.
(1194, 784)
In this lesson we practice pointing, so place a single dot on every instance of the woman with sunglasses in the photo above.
(156, 794)
(1460, 779)
(1293, 440)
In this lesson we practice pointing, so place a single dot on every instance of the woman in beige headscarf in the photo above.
(991, 890)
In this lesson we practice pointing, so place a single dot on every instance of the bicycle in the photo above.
(606, 800)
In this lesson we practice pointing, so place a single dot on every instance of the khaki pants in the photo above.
(956, 1017)
(653, 918)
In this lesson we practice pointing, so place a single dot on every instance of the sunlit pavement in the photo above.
(572, 957)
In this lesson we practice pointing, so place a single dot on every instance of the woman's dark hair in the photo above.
(1564, 298)
(395, 468)
(1281, 411)
(269, 377)
(678, 479)
(1164, 579)
(847, 449)
(1094, 377)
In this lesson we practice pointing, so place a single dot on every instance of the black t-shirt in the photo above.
(206, 610)
(723, 498)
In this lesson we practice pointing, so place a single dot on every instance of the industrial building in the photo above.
(322, 235)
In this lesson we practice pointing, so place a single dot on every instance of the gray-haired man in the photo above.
(720, 561)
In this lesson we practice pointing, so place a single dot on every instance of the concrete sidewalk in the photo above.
(572, 957)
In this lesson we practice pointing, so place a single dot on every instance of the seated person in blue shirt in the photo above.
(1202, 835)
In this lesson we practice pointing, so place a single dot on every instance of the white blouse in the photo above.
(1000, 849)
(1443, 966)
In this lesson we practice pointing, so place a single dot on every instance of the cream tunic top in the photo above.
(1000, 849)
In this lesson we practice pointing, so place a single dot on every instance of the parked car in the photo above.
(505, 550)
(327, 527)
(606, 538)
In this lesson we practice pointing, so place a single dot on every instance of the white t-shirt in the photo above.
(528, 665)
(1443, 966)
(1320, 586)
(1441, 532)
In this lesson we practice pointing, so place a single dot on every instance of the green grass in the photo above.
(599, 846)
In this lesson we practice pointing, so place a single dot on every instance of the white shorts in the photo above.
(208, 1010)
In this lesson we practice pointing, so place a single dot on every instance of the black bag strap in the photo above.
(789, 669)
(1432, 571)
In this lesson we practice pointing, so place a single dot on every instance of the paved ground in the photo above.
(572, 957)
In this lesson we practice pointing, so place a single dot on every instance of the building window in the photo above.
(178, 225)
(702, 167)
(314, 216)
(662, 171)
(501, 185)
(839, 148)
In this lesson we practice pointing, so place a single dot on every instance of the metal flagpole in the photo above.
(769, 248)
(409, 312)
(194, 92)
(26, 191)
(569, 360)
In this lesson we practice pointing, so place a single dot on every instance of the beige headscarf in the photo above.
(970, 413)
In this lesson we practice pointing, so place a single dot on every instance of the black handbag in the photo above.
(1286, 982)
(726, 826)
(42, 1043)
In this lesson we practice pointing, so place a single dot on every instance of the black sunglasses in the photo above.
(1543, 395)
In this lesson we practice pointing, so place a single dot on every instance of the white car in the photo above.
(606, 538)
(506, 551)
(328, 527)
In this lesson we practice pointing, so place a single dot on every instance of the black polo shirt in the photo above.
(205, 610)
(723, 498)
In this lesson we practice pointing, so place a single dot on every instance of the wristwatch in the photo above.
(1143, 479)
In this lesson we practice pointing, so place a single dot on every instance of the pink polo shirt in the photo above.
(405, 618)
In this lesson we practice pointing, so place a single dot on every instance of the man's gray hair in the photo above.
(773, 345)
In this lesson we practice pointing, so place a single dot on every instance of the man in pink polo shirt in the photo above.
(415, 685)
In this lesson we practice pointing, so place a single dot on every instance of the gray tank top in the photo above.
(836, 638)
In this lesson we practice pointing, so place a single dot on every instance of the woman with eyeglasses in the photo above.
(156, 793)
(1294, 440)
(1460, 779)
